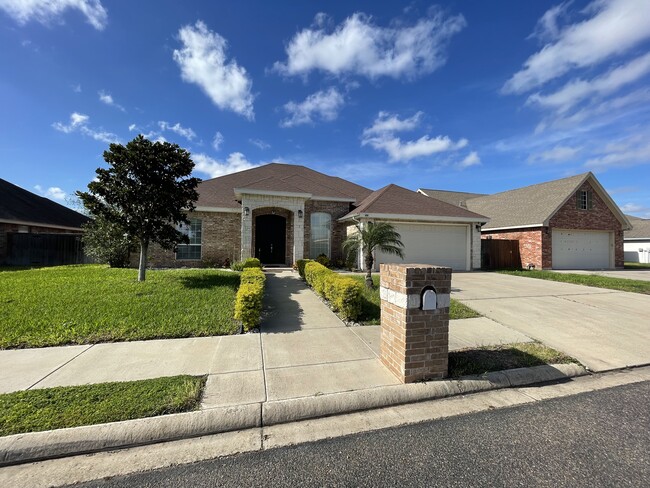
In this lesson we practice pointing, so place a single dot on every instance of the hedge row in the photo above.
(344, 294)
(248, 302)
(248, 263)
(300, 264)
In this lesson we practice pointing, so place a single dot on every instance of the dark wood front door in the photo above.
(270, 239)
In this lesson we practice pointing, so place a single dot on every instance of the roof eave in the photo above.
(410, 217)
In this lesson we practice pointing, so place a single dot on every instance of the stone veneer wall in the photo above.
(339, 230)
(599, 217)
(220, 241)
(287, 214)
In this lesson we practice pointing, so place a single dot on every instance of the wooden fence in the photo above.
(44, 249)
(500, 254)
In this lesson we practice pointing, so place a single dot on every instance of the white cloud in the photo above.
(381, 136)
(202, 60)
(76, 120)
(48, 11)
(623, 153)
(472, 159)
(53, 193)
(323, 105)
(235, 162)
(577, 90)
(555, 154)
(79, 123)
(107, 99)
(548, 28)
(133, 127)
(642, 211)
(260, 143)
(217, 141)
(358, 46)
(615, 27)
(177, 128)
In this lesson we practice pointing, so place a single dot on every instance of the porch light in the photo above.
(300, 214)
(247, 211)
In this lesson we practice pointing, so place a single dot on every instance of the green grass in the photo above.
(371, 309)
(509, 356)
(90, 304)
(72, 406)
(621, 284)
(636, 266)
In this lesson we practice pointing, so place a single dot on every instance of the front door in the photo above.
(270, 239)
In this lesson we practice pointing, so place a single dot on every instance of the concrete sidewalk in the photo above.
(303, 350)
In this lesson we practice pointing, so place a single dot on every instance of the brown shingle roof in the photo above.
(454, 197)
(20, 205)
(640, 228)
(218, 192)
(396, 200)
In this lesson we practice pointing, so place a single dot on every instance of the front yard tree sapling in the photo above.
(147, 191)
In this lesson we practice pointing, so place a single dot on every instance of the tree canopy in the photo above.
(146, 191)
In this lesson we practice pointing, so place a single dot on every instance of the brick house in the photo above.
(37, 231)
(636, 241)
(281, 213)
(570, 223)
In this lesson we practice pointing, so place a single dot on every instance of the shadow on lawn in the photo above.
(206, 281)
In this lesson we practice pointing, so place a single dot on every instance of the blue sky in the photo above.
(471, 96)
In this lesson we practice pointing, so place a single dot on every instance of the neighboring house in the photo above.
(281, 213)
(570, 223)
(37, 231)
(637, 241)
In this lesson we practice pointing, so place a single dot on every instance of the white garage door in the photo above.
(574, 249)
(442, 245)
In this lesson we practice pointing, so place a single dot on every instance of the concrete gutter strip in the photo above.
(37, 446)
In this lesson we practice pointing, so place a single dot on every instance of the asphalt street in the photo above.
(594, 439)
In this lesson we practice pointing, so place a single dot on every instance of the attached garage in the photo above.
(574, 249)
(438, 244)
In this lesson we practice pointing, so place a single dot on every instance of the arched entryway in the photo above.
(271, 238)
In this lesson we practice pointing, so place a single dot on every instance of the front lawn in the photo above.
(621, 284)
(509, 356)
(636, 266)
(371, 309)
(90, 303)
(72, 406)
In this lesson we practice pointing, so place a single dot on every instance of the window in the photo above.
(583, 200)
(321, 225)
(193, 249)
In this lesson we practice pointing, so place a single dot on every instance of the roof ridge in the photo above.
(374, 196)
(582, 175)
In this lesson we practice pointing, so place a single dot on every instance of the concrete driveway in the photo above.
(603, 329)
(628, 274)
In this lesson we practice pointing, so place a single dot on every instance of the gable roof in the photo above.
(21, 206)
(640, 228)
(276, 177)
(454, 197)
(396, 201)
(534, 205)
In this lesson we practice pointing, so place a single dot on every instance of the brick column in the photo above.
(298, 234)
(414, 342)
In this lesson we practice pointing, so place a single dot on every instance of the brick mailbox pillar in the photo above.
(415, 320)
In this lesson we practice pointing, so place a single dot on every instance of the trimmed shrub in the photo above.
(237, 266)
(300, 264)
(252, 263)
(324, 260)
(248, 302)
(344, 294)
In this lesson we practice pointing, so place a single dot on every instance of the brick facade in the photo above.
(414, 342)
(339, 230)
(536, 244)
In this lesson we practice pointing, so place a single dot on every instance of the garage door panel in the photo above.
(573, 249)
(442, 245)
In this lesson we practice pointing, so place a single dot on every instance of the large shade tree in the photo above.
(146, 191)
(369, 237)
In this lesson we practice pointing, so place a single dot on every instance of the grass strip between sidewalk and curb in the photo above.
(619, 284)
(371, 308)
(73, 406)
(86, 304)
(486, 359)
(637, 265)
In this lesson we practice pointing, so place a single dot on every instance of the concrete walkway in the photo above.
(603, 329)
(626, 274)
(303, 350)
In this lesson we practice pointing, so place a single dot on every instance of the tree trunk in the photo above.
(368, 260)
(144, 246)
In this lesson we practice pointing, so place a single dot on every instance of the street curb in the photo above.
(39, 446)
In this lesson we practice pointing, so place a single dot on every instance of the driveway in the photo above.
(603, 329)
(628, 274)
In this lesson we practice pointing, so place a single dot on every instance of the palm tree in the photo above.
(381, 236)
